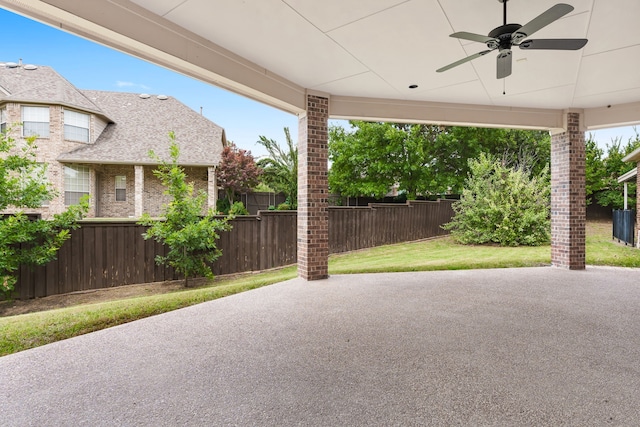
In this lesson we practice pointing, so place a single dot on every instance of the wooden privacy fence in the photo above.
(102, 254)
(359, 227)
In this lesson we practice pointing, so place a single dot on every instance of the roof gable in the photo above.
(142, 123)
(41, 84)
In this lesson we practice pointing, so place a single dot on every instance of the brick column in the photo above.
(568, 206)
(212, 188)
(138, 190)
(313, 213)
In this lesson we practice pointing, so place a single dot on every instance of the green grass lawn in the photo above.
(31, 330)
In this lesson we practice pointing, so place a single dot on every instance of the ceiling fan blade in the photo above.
(473, 37)
(504, 64)
(545, 18)
(554, 44)
(463, 60)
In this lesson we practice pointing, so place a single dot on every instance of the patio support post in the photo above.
(138, 190)
(568, 204)
(313, 212)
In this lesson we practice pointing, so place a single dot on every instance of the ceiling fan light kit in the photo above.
(504, 37)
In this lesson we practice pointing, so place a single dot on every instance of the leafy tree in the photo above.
(594, 168)
(502, 204)
(409, 156)
(237, 172)
(358, 160)
(280, 169)
(456, 145)
(23, 186)
(376, 156)
(422, 159)
(611, 192)
(190, 237)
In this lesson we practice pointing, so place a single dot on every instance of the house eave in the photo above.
(629, 175)
(77, 160)
(633, 157)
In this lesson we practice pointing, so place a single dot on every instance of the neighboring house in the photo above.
(98, 143)
(634, 175)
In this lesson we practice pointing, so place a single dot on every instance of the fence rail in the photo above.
(102, 254)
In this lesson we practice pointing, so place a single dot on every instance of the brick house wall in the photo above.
(102, 177)
(154, 198)
(48, 149)
(122, 128)
(107, 204)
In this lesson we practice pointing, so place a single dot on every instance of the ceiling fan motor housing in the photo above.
(504, 34)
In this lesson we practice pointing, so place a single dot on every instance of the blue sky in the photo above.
(88, 65)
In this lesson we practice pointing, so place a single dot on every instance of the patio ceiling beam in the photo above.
(612, 116)
(446, 113)
(124, 26)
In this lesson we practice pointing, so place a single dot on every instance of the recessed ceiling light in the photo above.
(413, 86)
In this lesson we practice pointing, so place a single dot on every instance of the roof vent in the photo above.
(145, 96)
(30, 67)
(11, 65)
(162, 97)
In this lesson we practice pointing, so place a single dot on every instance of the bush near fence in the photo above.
(102, 254)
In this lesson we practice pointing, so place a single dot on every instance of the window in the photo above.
(35, 177)
(35, 121)
(76, 126)
(121, 188)
(76, 184)
(3, 120)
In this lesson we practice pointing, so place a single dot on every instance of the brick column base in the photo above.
(313, 206)
(568, 205)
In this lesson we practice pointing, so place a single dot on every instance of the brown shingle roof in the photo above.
(141, 125)
(41, 85)
(136, 126)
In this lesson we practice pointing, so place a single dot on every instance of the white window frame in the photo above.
(76, 126)
(121, 188)
(3, 120)
(77, 183)
(35, 121)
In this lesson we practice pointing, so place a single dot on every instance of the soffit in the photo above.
(368, 53)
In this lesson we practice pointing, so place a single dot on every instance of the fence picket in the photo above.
(105, 253)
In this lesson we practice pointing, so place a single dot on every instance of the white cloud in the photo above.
(120, 83)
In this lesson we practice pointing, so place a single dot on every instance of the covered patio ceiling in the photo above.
(364, 55)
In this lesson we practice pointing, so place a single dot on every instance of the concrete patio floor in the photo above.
(531, 346)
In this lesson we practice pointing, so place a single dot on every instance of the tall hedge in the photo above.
(502, 205)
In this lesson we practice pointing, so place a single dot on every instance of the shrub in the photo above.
(191, 238)
(223, 206)
(503, 205)
(237, 208)
(23, 185)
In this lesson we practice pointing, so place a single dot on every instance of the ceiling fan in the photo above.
(506, 36)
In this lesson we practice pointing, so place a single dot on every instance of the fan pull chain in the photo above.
(504, 86)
